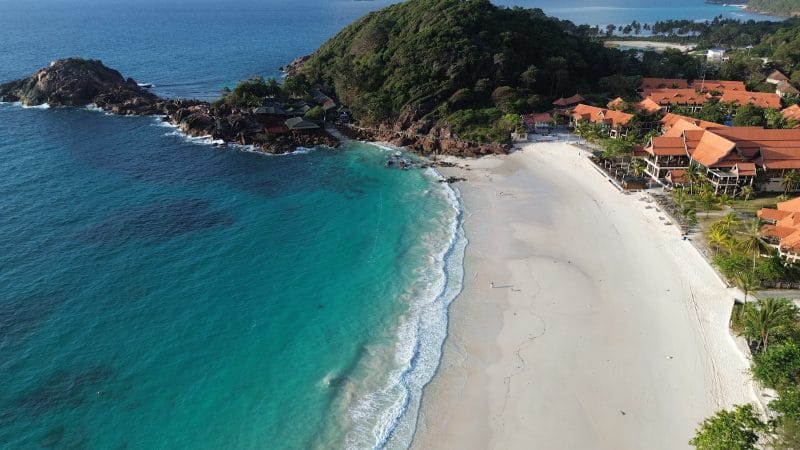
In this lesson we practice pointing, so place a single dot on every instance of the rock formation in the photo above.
(80, 82)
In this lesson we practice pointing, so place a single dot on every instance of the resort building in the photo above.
(670, 120)
(715, 55)
(541, 123)
(784, 88)
(614, 122)
(300, 125)
(729, 156)
(647, 105)
(777, 77)
(792, 113)
(718, 85)
(782, 228)
(760, 99)
(564, 104)
(667, 98)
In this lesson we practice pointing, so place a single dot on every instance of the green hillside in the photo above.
(779, 7)
(462, 63)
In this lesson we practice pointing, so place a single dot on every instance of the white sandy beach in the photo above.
(651, 45)
(604, 330)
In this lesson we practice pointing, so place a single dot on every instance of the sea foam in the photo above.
(388, 416)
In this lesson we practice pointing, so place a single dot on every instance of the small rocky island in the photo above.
(82, 82)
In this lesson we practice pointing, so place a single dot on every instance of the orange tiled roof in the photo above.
(745, 169)
(649, 106)
(787, 226)
(531, 119)
(791, 242)
(676, 176)
(792, 205)
(780, 158)
(670, 120)
(762, 99)
(776, 231)
(676, 96)
(712, 149)
(666, 146)
(615, 103)
(594, 114)
(569, 100)
(719, 85)
(663, 83)
(792, 112)
(771, 214)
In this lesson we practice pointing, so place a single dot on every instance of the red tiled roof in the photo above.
(594, 114)
(780, 158)
(648, 105)
(666, 146)
(761, 99)
(532, 119)
(575, 99)
(616, 102)
(712, 149)
(771, 214)
(792, 205)
(671, 119)
(792, 112)
(787, 226)
(745, 169)
(791, 242)
(676, 96)
(719, 85)
(676, 176)
(775, 231)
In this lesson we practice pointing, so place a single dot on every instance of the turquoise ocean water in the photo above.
(159, 292)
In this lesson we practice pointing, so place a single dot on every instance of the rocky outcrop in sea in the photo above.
(81, 82)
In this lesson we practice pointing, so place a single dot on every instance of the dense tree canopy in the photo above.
(433, 59)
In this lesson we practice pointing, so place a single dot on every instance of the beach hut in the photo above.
(298, 124)
(541, 123)
(784, 88)
(776, 77)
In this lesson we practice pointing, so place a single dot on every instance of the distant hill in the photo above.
(779, 7)
(461, 64)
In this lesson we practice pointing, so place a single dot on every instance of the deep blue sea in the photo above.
(159, 292)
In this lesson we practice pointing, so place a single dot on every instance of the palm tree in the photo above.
(746, 192)
(637, 167)
(747, 281)
(768, 318)
(752, 241)
(707, 198)
(728, 222)
(680, 197)
(790, 180)
(694, 174)
(718, 237)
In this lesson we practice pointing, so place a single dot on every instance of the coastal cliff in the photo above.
(80, 82)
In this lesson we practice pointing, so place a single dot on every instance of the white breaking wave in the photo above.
(387, 418)
(209, 140)
(42, 106)
(19, 104)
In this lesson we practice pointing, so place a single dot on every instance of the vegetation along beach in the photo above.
(426, 224)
